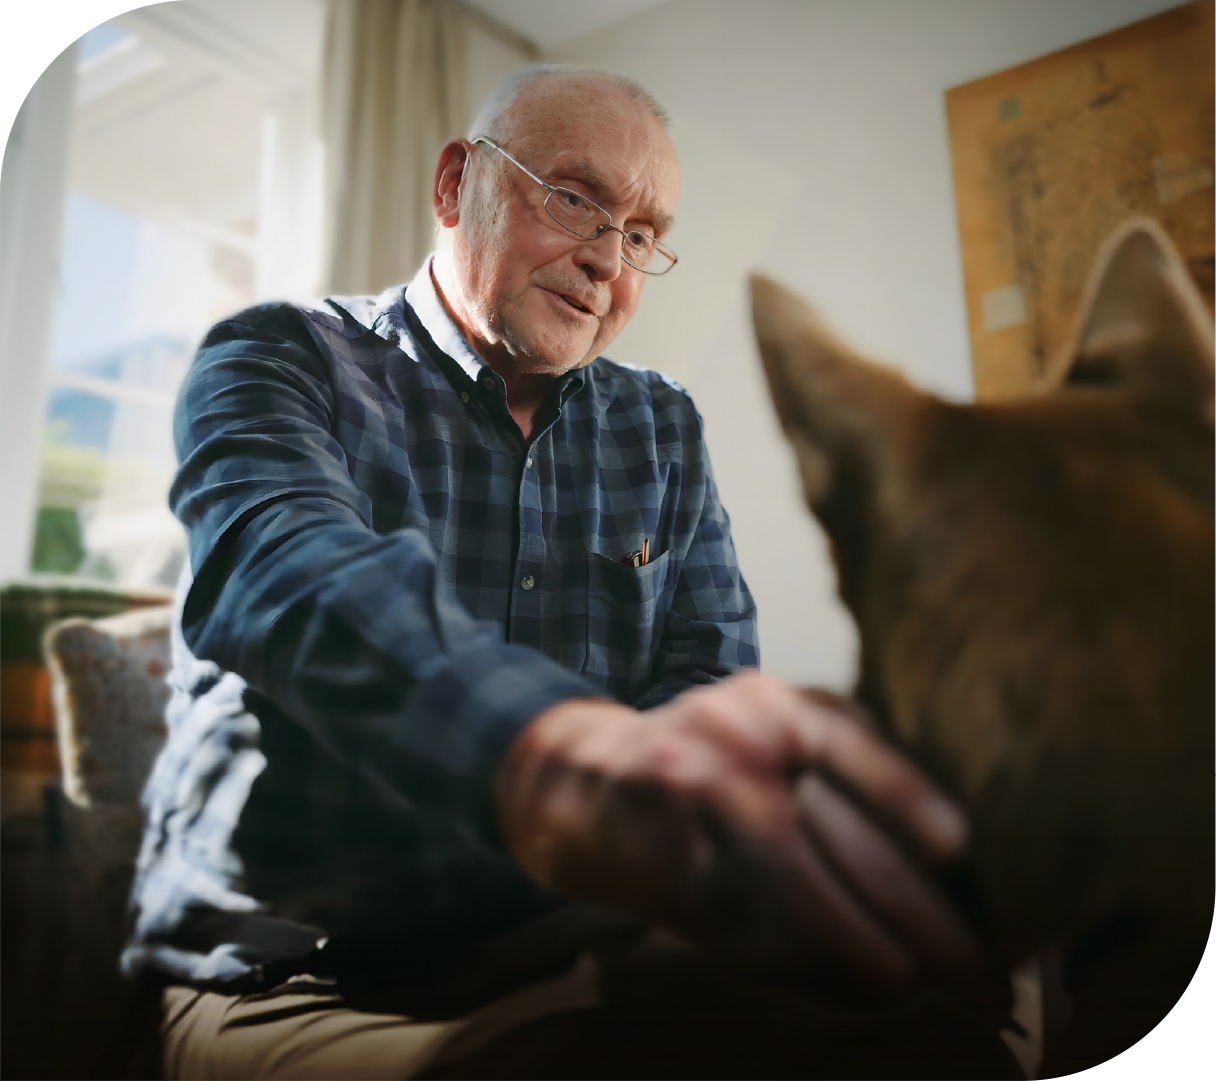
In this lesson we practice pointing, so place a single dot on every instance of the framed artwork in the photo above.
(1051, 155)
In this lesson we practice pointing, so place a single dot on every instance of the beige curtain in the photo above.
(394, 93)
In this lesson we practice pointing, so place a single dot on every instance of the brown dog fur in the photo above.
(1033, 583)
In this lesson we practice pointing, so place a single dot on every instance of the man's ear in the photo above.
(449, 182)
(839, 411)
(1143, 325)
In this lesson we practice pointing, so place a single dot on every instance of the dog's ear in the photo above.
(839, 411)
(1143, 326)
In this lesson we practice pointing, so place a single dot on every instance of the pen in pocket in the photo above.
(638, 559)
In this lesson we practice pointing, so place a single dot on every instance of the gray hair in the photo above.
(491, 118)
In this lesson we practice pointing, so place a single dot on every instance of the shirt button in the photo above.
(528, 463)
(464, 395)
(528, 582)
(487, 383)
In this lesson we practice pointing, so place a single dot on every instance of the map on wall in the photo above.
(1051, 155)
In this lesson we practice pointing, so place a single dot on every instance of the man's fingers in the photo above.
(783, 900)
(850, 707)
(892, 887)
(813, 731)
(889, 782)
(883, 877)
(751, 716)
(843, 929)
(778, 901)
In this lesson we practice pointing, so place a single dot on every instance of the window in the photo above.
(193, 156)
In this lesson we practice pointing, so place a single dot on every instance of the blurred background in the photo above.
(184, 160)
(935, 175)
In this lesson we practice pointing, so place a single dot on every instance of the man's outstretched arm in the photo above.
(351, 632)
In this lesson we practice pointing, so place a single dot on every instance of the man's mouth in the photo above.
(573, 302)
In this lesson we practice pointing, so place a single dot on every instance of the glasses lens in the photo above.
(637, 248)
(576, 213)
(646, 254)
(583, 218)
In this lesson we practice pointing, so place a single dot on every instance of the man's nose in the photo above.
(600, 257)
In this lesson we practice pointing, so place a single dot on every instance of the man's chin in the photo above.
(556, 366)
(552, 341)
(554, 358)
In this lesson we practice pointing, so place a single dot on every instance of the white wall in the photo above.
(814, 145)
(491, 58)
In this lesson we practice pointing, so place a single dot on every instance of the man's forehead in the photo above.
(592, 131)
(554, 100)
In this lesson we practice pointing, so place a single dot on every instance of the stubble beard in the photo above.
(501, 322)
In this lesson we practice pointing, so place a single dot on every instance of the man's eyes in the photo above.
(579, 204)
(573, 200)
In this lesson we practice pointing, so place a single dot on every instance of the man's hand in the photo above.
(734, 817)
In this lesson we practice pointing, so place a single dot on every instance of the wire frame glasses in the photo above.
(579, 215)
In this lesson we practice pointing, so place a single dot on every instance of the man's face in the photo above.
(545, 298)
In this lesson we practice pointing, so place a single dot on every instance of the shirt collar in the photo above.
(422, 296)
(384, 315)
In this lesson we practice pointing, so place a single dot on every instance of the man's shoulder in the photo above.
(337, 341)
(345, 317)
(620, 380)
(646, 408)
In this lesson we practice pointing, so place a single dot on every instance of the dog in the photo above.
(1033, 585)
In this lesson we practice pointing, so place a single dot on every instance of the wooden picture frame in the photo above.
(1051, 155)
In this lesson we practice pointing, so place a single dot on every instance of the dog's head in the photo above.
(1033, 581)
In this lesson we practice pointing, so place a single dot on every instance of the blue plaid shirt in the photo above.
(389, 583)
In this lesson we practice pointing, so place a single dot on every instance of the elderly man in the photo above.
(464, 603)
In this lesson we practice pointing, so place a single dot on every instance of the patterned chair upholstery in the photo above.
(108, 686)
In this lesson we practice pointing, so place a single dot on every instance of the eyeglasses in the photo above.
(579, 215)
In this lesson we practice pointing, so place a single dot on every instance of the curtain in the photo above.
(394, 92)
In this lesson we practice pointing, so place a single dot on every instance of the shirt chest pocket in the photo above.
(626, 609)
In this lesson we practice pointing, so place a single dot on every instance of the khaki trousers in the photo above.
(303, 1029)
(637, 1012)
